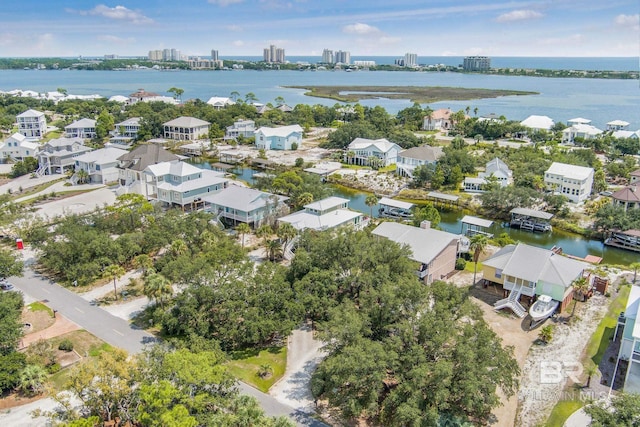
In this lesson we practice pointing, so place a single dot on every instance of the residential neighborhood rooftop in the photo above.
(425, 152)
(186, 122)
(570, 171)
(282, 131)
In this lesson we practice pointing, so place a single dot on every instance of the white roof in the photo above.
(31, 113)
(633, 310)
(425, 243)
(102, 156)
(395, 203)
(186, 122)
(119, 98)
(383, 145)
(538, 122)
(133, 121)
(474, 220)
(208, 178)
(282, 131)
(583, 128)
(579, 120)
(219, 100)
(176, 168)
(626, 134)
(534, 264)
(327, 203)
(64, 141)
(82, 123)
(18, 137)
(570, 171)
(618, 123)
(242, 198)
(496, 165)
(302, 220)
(531, 212)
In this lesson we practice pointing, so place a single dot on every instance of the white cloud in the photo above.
(632, 21)
(225, 3)
(29, 44)
(119, 13)
(233, 28)
(519, 15)
(115, 39)
(359, 28)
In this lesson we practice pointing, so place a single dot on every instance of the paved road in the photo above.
(120, 333)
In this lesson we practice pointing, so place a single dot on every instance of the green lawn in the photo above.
(604, 333)
(38, 306)
(245, 366)
(562, 411)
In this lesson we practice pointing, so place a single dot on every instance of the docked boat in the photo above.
(544, 307)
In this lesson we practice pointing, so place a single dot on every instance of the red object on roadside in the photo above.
(19, 244)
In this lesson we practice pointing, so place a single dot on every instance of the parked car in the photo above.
(6, 286)
(606, 193)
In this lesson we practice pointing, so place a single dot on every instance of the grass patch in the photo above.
(390, 168)
(52, 135)
(246, 365)
(38, 306)
(84, 343)
(471, 265)
(562, 411)
(35, 189)
(603, 335)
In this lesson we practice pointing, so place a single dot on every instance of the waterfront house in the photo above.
(579, 128)
(131, 165)
(126, 131)
(143, 96)
(409, 160)
(83, 128)
(630, 342)
(242, 204)
(525, 270)
(365, 151)
(438, 120)
(435, 250)
(538, 123)
(627, 197)
(219, 102)
(244, 128)
(100, 165)
(626, 134)
(180, 183)
(186, 129)
(280, 138)
(572, 181)
(325, 214)
(18, 147)
(496, 169)
(615, 125)
(58, 155)
(32, 124)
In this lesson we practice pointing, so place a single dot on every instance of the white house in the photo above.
(409, 160)
(242, 204)
(364, 150)
(626, 134)
(630, 343)
(125, 131)
(18, 147)
(617, 125)
(438, 120)
(83, 128)
(324, 214)
(494, 168)
(219, 102)
(32, 124)
(101, 165)
(182, 184)
(58, 155)
(579, 130)
(534, 122)
(186, 129)
(280, 138)
(571, 181)
(244, 128)
(143, 96)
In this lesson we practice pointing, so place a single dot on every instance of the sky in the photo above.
(589, 28)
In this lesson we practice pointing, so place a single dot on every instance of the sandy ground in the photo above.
(25, 181)
(82, 203)
(304, 353)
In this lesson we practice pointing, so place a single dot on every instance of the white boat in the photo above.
(543, 308)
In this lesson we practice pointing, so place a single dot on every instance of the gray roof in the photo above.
(186, 122)
(242, 198)
(536, 264)
(144, 155)
(532, 212)
(395, 203)
(495, 165)
(425, 243)
(426, 153)
(31, 113)
(82, 123)
(327, 203)
(474, 220)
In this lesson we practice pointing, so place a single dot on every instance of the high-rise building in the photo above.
(280, 55)
(410, 59)
(214, 55)
(155, 55)
(327, 56)
(342, 57)
(476, 63)
(273, 54)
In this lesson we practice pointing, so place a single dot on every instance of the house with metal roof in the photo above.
(535, 122)
(219, 102)
(325, 214)
(242, 204)
(363, 152)
(58, 155)
(617, 125)
(574, 182)
(125, 132)
(186, 129)
(409, 160)
(580, 128)
(495, 169)
(435, 250)
(525, 270)
(32, 124)
(18, 147)
(280, 138)
(244, 128)
(100, 165)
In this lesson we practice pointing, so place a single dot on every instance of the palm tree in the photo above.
(580, 287)
(350, 157)
(304, 198)
(635, 267)
(113, 271)
(243, 228)
(286, 232)
(371, 201)
(264, 231)
(274, 249)
(177, 92)
(428, 113)
(178, 247)
(32, 379)
(250, 98)
(475, 111)
(157, 287)
(591, 370)
(83, 176)
(478, 245)
(144, 262)
(546, 334)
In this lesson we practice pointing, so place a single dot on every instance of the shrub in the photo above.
(460, 264)
(54, 368)
(65, 345)
(294, 146)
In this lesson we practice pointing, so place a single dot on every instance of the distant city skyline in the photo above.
(590, 28)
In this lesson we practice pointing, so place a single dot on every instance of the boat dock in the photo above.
(530, 219)
(390, 208)
(472, 225)
(629, 239)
